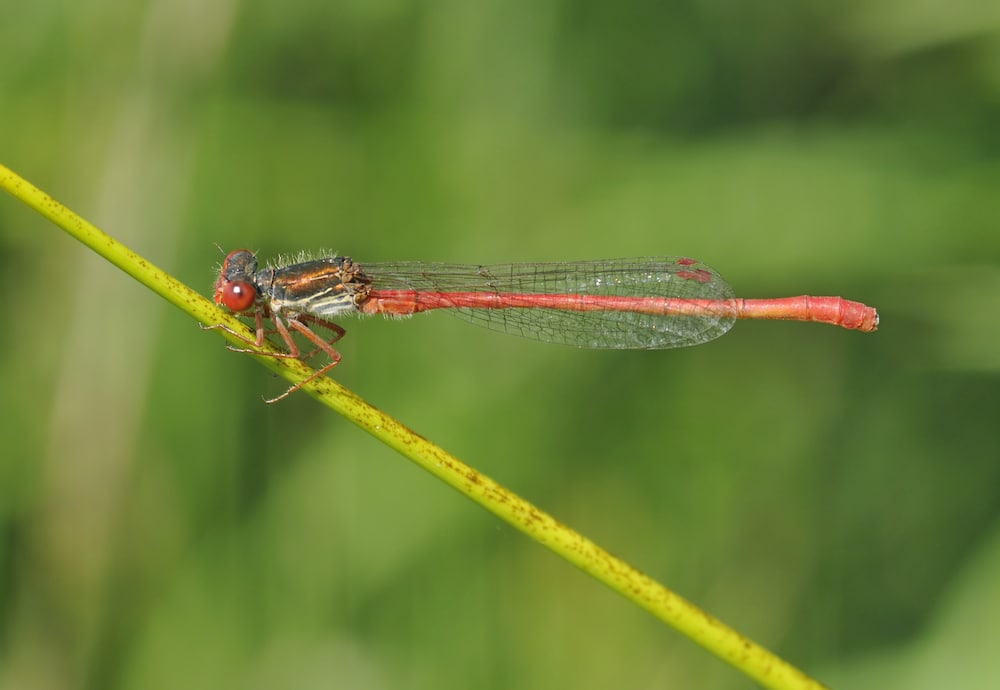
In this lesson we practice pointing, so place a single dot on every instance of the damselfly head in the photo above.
(234, 288)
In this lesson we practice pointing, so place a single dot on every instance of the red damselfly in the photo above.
(646, 303)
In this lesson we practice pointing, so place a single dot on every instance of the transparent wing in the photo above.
(677, 301)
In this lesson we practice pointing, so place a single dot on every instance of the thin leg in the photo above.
(298, 324)
(258, 342)
(321, 344)
(293, 349)
(337, 331)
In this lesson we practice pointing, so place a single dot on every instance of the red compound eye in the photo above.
(236, 295)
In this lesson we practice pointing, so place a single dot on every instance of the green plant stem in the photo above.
(750, 658)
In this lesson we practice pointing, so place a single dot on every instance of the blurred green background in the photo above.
(833, 495)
